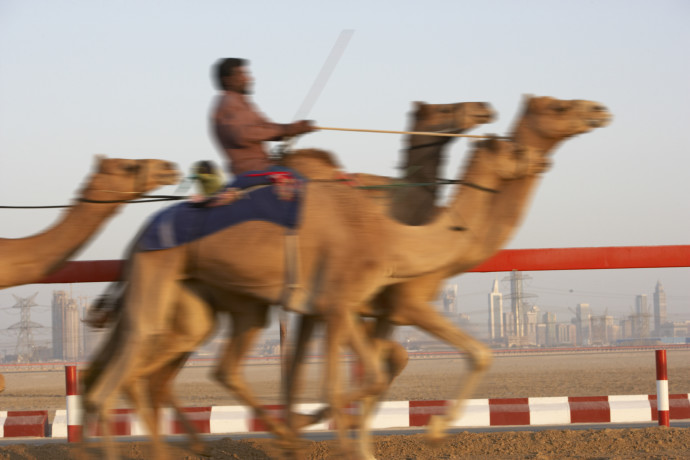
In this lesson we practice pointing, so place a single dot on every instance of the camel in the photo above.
(413, 270)
(114, 182)
(543, 124)
(490, 156)
(452, 118)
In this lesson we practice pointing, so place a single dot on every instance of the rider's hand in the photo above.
(300, 127)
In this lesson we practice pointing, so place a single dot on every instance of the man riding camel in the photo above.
(239, 128)
(240, 131)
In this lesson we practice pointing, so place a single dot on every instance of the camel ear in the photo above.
(418, 105)
(97, 160)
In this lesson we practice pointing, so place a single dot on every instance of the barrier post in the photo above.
(662, 405)
(73, 405)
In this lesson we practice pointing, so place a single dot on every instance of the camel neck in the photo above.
(36, 256)
(456, 232)
(508, 207)
(415, 204)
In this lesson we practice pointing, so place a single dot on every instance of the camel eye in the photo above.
(133, 168)
(560, 109)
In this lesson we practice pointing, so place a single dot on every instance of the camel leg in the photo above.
(342, 329)
(193, 323)
(245, 329)
(149, 300)
(395, 358)
(427, 318)
(293, 382)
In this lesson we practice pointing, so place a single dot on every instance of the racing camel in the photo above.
(542, 125)
(429, 250)
(447, 118)
(114, 181)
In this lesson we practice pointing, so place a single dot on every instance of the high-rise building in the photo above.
(66, 327)
(659, 308)
(642, 313)
(583, 324)
(450, 294)
(496, 330)
(530, 324)
(551, 329)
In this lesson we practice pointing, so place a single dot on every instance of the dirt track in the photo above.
(594, 374)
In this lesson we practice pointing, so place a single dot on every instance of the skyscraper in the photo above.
(66, 327)
(450, 294)
(496, 330)
(659, 308)
(583, 324)
(642, 313)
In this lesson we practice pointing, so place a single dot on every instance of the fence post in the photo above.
(662, 405)
(73, 404)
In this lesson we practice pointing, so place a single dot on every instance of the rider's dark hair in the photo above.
(224, 68)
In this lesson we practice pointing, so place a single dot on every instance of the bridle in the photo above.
(139, 187)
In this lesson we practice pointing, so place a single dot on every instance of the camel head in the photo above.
(547, 120)
(509, 160)
(458, 117)
(123, 179)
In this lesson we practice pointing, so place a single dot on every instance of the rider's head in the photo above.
(232, 74)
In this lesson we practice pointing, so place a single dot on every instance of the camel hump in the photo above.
(313, 164)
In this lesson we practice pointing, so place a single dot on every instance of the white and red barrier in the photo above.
(391, 414)
(662, 398)
(399, 414)
(661, 407)
(74, 412)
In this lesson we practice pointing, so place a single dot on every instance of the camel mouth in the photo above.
(168, 177)
(600, 121)
(484, 118)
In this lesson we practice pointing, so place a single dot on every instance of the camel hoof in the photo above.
(291, 445)
(436, 434)
(300, 420)
(200, 448)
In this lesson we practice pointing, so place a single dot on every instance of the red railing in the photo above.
(91, 271)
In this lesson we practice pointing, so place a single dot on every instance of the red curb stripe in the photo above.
(32, 423)
(421, 411)
(275, 410)
(589, 409)
(509, 411)
(199, 417)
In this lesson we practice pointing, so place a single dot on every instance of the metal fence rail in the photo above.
(618, 257)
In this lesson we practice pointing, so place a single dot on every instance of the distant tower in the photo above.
(642, 313)
(25, 339)
(495, 313)
(517, 303)
(66, 327)
(584, 324)
(659, 308)
(450, 294)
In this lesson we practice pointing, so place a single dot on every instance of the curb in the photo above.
(391, 414)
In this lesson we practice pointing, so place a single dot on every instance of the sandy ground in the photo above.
(594, 374)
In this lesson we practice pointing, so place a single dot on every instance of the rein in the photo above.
(426, 184)
(142, 199)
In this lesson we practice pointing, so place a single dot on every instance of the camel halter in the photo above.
(138, 188)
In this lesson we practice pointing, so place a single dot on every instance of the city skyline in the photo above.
(525, 323)
(466, 299)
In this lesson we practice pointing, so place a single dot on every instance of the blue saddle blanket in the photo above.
(186, 222)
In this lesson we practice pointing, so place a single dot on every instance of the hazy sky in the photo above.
(131, 79)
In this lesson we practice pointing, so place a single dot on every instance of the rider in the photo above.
(239, 128)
